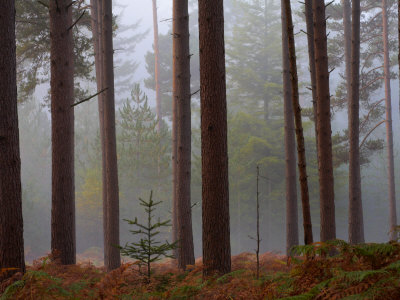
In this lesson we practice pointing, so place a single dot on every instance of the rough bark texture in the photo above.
(325, 166)
(311, 59)
(174, 174)
(356, 223)
(157, 65)
(111, 235)
(301, 153)
(11, 225)
(292, 230)
(63, 241)
(214, 149)
(96, 22)
(182, 95)
(389, 131)
(347, 44)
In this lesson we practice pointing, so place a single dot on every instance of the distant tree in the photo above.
(11, 224)
(157, 64)
(215, 195)
(181, 98)
(33, 46)
(301, 152)
(63, 242)
(325, 164)
(356, 223)
(389, 130)
(112, 258)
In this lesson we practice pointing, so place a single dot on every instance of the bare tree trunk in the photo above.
(214, 148)
(63, 240)
(389, 131)
(96, 13)
(181, 94)
(325, 165)
(292, 230)
(174, 174)
(301, 153)
(311, 59)
(111, 235)
(356, 223)
(157, 66)
(11, 223)
(347, 45)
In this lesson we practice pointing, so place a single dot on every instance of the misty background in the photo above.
(255, 136)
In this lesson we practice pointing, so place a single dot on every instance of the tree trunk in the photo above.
(214, 148)
(311, 58)
(11, 225)
(301, 153)
(389, 132)
(111, 235)
(182, 95)
(157, 66)
(96, 13)
(63, 240)
(347, 45)
(292, 230)
(325, 165)
(356, 223)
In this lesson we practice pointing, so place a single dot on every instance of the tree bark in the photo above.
(389, 131)
(111, 235)
(11, 224)
(96, 13)
(292, 230)
(214, 148)
(182, 95)
(356, 223)
(63, 240)
(325, 165)
(311, 59)
(157, 66)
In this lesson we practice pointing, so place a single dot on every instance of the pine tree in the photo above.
(148, 250)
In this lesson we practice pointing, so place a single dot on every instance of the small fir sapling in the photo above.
(148, 250)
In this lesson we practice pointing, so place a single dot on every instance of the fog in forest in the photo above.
(255, 137)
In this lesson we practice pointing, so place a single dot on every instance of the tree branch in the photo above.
(80, 17)
(365, 138)
(88, 98)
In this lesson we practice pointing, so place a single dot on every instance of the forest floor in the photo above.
(370, 271)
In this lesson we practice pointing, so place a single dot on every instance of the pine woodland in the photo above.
(210, 149)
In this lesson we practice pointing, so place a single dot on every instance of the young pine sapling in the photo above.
(148, 250)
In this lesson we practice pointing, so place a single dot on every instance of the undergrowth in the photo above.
(332, 270)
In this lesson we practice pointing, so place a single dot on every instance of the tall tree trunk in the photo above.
(157, 66)
(325, 165)
(389, 132)
(111, 235)
(356, 223)
(63, 240)
(181, 94)
(214, 148)
(347, 45)
(311, 59)
(96, 13)
(292, 230)
(301, 153)
(11, 225)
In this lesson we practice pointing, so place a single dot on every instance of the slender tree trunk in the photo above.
(174, 174)
(63, 240)
(389, 132)
(182, 95)
(11, 224)
(398, 38)
(111, 235)
(292, 230)
(347, 45)
(311, 59)
(214, 148)
(301, 153)
(157, 65)
(325, 165)
(356, 223)
(96, 13)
